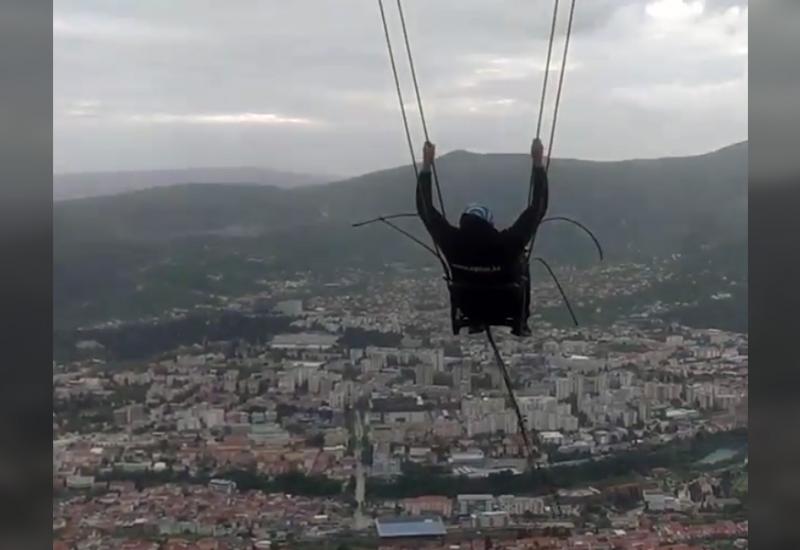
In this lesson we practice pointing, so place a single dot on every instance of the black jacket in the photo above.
(477, 251)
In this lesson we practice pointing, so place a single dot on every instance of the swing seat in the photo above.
(479, 306)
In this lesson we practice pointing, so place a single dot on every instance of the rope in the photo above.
(557, 104)
(580, 225)
(407, 234)
(397, 86)
(385, 219)
(419, 101)
(520, 419)
(547, 68)
(585, 229)
(389, 217)
(544, 83)
(564, 297)
(412, 237)
(390, 49)
(560, 83)
(560, 289)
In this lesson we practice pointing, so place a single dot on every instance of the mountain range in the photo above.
(168, 239)
(80, 185)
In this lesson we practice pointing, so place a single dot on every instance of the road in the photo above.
(360, 520)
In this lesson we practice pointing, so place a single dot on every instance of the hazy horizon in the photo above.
(335, 177)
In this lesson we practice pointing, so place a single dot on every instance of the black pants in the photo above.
(524, 277)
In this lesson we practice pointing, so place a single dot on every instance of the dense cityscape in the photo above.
(364, 422)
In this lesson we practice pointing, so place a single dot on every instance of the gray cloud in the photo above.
(306, 86)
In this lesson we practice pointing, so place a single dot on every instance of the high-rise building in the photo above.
(496, 377)
(130, 414)
(644, 411)
(479, 407)
(568, 423)
(577, 385)
(424, 374)
(462, 378)
(213, 418)
(563, 388)
(437, 359)
(601, 382)
(625, 378)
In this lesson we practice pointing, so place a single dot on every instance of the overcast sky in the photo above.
(305, 85)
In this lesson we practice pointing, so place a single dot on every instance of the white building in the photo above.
(213, 418)
(268, 434)
(519, 505)
(478, 407)
(578, 363)
(437, 360)
(674, 340)
(491, 519)
(80, 482)
(551, 438)
(563, 388)
(293, 308)
(657, 501)
(472, 504)
(304, 341)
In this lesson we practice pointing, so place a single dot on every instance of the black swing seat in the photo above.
(478, 306)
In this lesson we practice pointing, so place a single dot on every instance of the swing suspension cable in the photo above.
(559, 91)
(410, 142)
(545, 81)
(419, 101)
(418, 95)
(398, 88)
(560, 84)
(560, 87)
(509, 387)
(547, 69)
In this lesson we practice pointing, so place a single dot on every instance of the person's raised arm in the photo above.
(539, 180)
(525, 226)
(431, 217)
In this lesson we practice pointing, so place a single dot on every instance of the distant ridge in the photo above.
(79, 185)
(174, 237)
(623, 198)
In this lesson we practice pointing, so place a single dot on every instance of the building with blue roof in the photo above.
(407, 527)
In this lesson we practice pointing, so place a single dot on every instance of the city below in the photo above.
(358, 420)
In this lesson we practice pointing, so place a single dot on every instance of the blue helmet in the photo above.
(480, 211)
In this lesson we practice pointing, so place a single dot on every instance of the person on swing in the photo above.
(478, 252)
